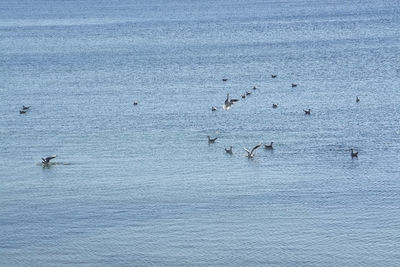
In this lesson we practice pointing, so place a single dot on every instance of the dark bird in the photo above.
(248, 93)
(211, 140)
(294, 84)
(254, 88)
(25, 107)
(354, 154)
(47, 159)
(228, 150)
(357, 99)
(224, 79)
(250, 154)
(274, 105)
(307, 112)
(268, 146)
(213, 108)
(22, 111)
(274, 76)
(135, 103)
(244, 96)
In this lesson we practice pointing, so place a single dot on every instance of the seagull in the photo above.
(250, 154)
(248, 93)
(294, 84)
(22, 111)
(135, 103)
(25, 107)
(268, 146)
(307, 112)
(213, 108)
(274, 76)
(228, 150)
(224, 79)
(228, 103)
(353, 153)
(47, 159)
(357, 99)
(244, 96)
(211, 140)
(274, 105)
(254, 88)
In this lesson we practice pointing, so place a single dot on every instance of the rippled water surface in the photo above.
(140, 185)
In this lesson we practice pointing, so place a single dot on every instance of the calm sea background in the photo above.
(140, 185)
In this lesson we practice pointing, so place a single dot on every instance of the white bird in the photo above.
(228, 103)
(250, 154)
(47, 159)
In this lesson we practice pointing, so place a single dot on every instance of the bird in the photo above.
(354, 154)
(47, 159)
(268, 146)
(22, 111)
(211, 140)
(357, 99)
(274, 76)
(250, 154)
(244, 96)
(294, 84)
(213, 108)
(254, 88)
(224, 79)
(274, 105)
(228, 103)
(25, 107)
(135, 103)
(228, 150)
(307, 112)
(248, 93)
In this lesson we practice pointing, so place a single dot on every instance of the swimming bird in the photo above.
(307, 112)
(224, 79)
(244, 96)
(213, 108)
(248, 93)
(47, 159)
(250, 154)
(25, 107)
(254, 88)
(357, 99)
(354, 154)
(22, 111)
(228, 103)
(211, 140)
(274, 76)
(274, 105)
(268, 146)
(228, 150)
(294, 84)
(135, 103)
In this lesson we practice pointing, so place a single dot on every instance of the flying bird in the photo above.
(250, 154)
(228, 103)
(47, 159)
(213, 108)
(307, 112)
(354, 154)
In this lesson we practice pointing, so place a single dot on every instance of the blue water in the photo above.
(140, 185)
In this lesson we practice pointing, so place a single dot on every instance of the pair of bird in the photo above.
(24, 109)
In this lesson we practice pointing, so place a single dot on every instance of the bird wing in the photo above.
(254, 148)
(247, 150)
(50, 157)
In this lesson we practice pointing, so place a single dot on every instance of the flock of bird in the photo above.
(251, 153)
(227, 105)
